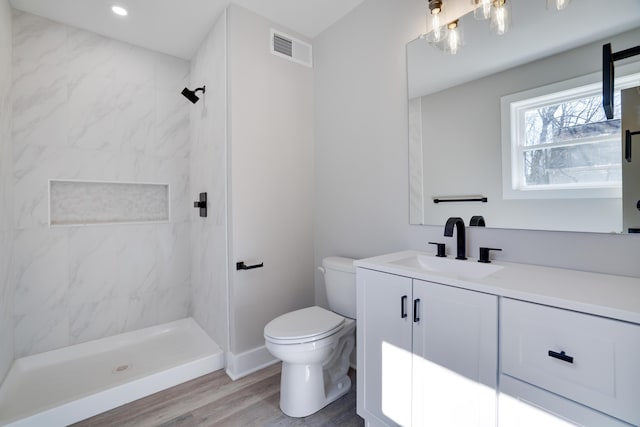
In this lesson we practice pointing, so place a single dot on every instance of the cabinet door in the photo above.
(455, 362)
(384, 348)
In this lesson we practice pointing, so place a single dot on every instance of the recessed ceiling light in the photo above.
(119, 10)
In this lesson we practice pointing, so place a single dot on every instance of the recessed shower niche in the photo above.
(96, 202)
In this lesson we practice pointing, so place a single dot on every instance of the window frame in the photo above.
(512, 123)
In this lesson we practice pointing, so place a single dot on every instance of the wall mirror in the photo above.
(459, 105)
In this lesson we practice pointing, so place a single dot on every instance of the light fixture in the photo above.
(449, 37)
(558, 4)
(500, 17)
(453, 42)
(437, 32)
(481, 9)
(119, 10)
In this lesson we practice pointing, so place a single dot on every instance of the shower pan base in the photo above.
(70, 384)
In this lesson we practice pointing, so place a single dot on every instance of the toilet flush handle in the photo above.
(322, 270)
(242, 266)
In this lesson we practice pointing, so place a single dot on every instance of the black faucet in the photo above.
(461, 242)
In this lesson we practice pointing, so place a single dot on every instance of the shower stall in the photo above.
(116, 287)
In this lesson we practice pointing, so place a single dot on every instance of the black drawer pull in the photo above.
(416, 315)
(562, 356)
(403, 307)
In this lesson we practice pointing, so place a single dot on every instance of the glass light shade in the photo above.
(434, 16)
(439, 32)
(481, 9)
(454, 40)
(558, 4)
(500, 17)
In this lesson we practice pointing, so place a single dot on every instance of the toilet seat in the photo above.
(305, 325)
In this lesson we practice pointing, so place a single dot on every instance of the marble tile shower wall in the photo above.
(6, 193)
(91, 108)
(208, 173)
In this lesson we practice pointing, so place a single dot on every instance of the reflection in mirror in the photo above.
(631, 163)
(460, 115)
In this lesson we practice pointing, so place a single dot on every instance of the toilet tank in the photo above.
(340, 282)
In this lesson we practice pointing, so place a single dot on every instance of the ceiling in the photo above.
(177, 27)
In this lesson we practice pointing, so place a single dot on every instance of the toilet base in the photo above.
(302, 389)
(305, 389)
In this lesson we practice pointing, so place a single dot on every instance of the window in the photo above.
(557, 143)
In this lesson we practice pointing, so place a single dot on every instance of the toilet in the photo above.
(315, 344)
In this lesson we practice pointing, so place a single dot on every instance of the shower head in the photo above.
(191, 94)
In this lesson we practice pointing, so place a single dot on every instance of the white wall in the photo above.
(271, 172)
(209, 174)
(6, 193)
(90, 108)
(361, 156)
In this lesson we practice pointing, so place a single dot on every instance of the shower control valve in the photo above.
(201, 204)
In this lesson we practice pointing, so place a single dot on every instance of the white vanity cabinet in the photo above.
(428, 353)
(430, 331)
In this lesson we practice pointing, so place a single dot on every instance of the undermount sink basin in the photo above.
(463, 269)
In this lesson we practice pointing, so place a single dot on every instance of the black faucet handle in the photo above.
(484, 254)
(477, 221)
(441, 249)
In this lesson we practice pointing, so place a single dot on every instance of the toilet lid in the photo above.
(303, 324)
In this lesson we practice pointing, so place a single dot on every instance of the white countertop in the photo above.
(616, 297)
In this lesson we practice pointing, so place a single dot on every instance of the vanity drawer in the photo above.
(523, 405)
(589, 359)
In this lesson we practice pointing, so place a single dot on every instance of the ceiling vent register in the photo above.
(287, 47)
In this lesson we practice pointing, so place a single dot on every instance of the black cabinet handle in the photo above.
(403, 307)
(242, 266)
(562, 356)
(416, 304)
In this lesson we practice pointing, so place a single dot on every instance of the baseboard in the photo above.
(243, 364)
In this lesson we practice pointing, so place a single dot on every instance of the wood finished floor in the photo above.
(215, 400)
